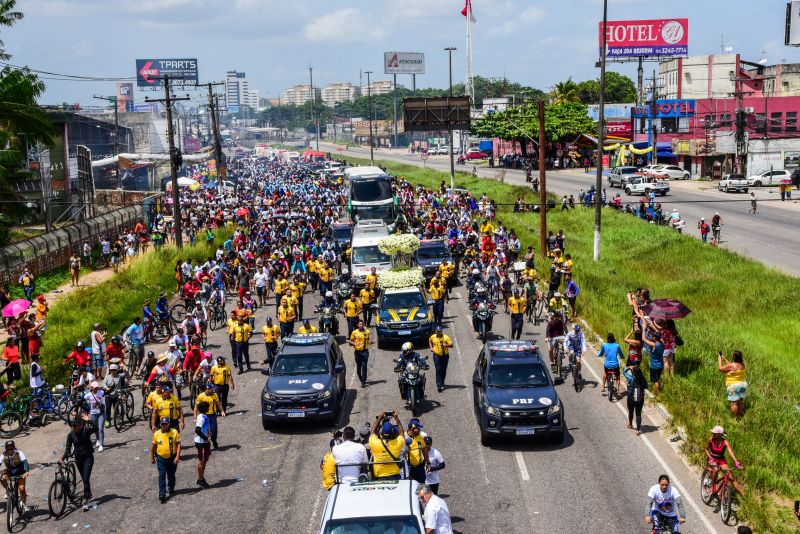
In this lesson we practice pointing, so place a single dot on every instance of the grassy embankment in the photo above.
(736, 303)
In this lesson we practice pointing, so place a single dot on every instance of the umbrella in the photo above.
(15, 307)
(666, 309)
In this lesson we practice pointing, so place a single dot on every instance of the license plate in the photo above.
(525, 431)
(297, 414)
(404, 333)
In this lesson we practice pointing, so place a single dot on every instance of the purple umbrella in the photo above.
(15, 307)
(666, 309)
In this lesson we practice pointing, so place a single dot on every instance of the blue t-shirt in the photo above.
(657, 356)
(612, 353)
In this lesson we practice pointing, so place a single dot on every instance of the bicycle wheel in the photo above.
(130, 405)
(575, 381)
(726, 501)
(160, 333)
(10, 424)
(11, 506)
(72, 483)
(57, 497)
(559, 358)
(119, 416)
(610, 386)
(177, 313)
(705, 486)
(62, 407)
(192, 394)
(539, 309)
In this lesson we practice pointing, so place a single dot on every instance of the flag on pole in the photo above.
(467, 11)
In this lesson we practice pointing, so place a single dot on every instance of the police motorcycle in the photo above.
(328, 320)
(482, 313)
(344, 287)
(411, 378)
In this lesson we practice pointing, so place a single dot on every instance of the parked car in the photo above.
(443, 150)
(769, 178)
(733, 182)
(620, 176)
(671, 172)
(650, 169)
(642, 185)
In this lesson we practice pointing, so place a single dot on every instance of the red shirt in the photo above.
(11, 354)
(115, 351)
(80, 358)
(192, 360)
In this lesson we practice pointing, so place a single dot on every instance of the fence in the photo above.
(52, 250)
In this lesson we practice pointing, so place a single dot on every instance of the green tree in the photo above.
(8, 17)
(562, 122)
(566, 91)
(619, 90)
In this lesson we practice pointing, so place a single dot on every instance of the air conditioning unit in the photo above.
(748, 110)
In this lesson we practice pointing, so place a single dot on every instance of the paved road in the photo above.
(770, 237)
(270, 481)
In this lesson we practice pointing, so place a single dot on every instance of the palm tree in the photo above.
(8, 17)
(565, 92)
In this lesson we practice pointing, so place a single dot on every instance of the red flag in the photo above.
(468, 10)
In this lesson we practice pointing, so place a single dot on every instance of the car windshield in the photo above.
(396, 301)
(432, 253)
(517, 375)
(371, 190)
(300, 364)
(369, 254)
(373, 525)
(628, 170)
(384, 212)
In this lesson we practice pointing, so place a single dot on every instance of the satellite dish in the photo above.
(763, 61)
(728, 49)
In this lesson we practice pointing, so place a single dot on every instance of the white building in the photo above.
(334, 93)
(697, 77)
(236, 88)
(381, 87)
(299, 95)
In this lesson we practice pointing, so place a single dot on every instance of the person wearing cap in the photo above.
(95, 399)
(359, 340)
(192, 361)
(704, 229)
(165, 453)
(111, 387)
(241, 333)
(79, 443)
(416, 451)
(307, 328)
(222, 378)
(168, 407)
(350, 456)
(215, 409)
(516, 307)
(437, 290)
(271, 333)
(716, 448)
(41, 308)
(436, 464)
(386, 443)
(440, 344)
(287, 315)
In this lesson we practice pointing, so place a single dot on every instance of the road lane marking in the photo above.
(671, 474)
(312, 520)
(523, 470)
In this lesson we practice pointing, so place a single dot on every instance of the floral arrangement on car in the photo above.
(400, 278)
(399, 244)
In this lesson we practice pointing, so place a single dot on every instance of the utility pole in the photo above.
(542, 185)
(639, 83)
(653, 113)
(313, 101)
(174, 160)
(394, 104)
(212, 110)
(115, 146)
(369, 112)
(449, 51)
(598, 214)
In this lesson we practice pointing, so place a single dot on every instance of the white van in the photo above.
(364, 252)
(377, 506)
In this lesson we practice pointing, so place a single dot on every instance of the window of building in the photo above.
(791, 121)
(761, 123)
(725, 120)
(710, 120)
(776, 122)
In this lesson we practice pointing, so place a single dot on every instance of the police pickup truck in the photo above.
(514, 394)
(642, 185)
(403, 315)
(306, 381)
(373, 506)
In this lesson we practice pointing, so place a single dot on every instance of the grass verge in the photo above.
(736, 303)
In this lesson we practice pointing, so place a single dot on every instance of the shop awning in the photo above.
(665, 154)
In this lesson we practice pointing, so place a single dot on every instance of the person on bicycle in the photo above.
(716, 448)
(162, 307)
(80, 356)
(557, 303)
(115, 349)
(181, 340)
(16, 465)
(79, 443)
(204, 368)
(664, 505)
(613, 354)
(493, 276)
(575, 344)
(191, 362)
(147, 313)
(191, 326)
(134, 335)
(554, 334)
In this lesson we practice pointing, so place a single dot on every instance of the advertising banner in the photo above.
(634, 38)
(151, 72)
(124, 97)
(403, 63)
(619, 128)
(666, 109)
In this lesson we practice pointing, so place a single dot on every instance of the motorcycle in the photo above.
(411, 381)
(328, 321)
(343, 290)
(678, 224)
(528, 175)
(461, 160)
(482, 318)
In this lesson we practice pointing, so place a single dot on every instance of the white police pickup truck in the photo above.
(643, 185)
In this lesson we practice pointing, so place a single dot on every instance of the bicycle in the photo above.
(45, 403)
(494, 290)
(13, 502)
(195, 388)
(64, 487)
(577, 378)
(101, 262)
(722, 488)
(217, 318)
(610, 384)
(124, 409)
(559, 356)
(663, 524)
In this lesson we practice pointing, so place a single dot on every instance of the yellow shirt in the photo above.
(220, 375)
(328, 466)
(436, 291)
(280, 285)
(325, 274)
(371, 280)
(310, 330)
(517, 305)
(231, 323)
(379, 454)
(166, 442)
(366, 295)
(446, 270)
(487, 228)
(286, 314)
(441, 345)
(168, 407)
(360, 339)
(212, 401)
(271, 333)
(416, 454)
(352, 307)
(151, 398)
(734, 377)
(312, 266)
(241, 333)
(556, 303)
(41, 311)
(297, 289)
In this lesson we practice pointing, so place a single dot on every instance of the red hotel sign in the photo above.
(634, 38)
(618, 128)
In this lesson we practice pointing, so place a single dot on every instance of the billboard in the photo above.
(403, 63)
(634, 38)
(666, 109)
(619, 128)
(124, 97)
(151, 72)
(792, 37)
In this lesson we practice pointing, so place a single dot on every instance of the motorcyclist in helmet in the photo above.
(407, 356)
(328, 300)
(344, 276)
(474, 278)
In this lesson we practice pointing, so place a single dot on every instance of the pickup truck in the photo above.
(642, 185)
(619, 176)
(733, 182)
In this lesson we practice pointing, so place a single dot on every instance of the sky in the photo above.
(536, 43)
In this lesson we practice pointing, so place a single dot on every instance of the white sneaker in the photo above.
(100, 448)
(25, 509)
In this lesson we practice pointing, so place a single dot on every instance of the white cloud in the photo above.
(348, 25)
(519, 22)
(151, 6)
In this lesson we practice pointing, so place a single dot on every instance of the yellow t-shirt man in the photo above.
(436, 290)
(280, 286)
(380, 454)
(352, 307)
(271, 333)
(366, 295)
(416, 450)
(220, 375)
(516, 305)
(360, 339)
(241, 333)
(440, 345)
(167, 443)
(310, 330)
(212, 400)
(328, 466)
(169, 407)
(286, 314)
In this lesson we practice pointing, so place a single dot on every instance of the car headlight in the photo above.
(554, 409)
(491, 410)
(268, 396)
(325, 394)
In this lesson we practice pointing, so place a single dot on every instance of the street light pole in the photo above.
(369, 111)
(449, 50)
(600, 138)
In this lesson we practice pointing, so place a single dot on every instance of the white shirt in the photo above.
(203, 424)
(436, 459)
(664, 502)
(349, 452)
(261, 279)
(437, 516)
(36, 381)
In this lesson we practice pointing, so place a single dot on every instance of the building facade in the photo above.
(335, 93)
(236, 88)
(299, 95)
(380, 87)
